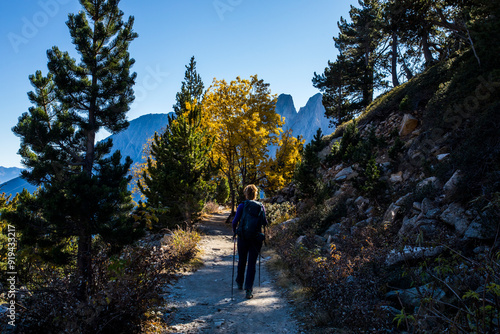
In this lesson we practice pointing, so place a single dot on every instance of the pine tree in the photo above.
(83, 191)
(192, 88)
(306, 174)
(178, 169)
(349, 83)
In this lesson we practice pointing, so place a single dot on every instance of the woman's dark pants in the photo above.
(248, 250)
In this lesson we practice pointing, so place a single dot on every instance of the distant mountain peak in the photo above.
(307, 120)
(9, 173)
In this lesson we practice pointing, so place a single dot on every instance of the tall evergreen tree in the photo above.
(83, 192)
(176, 175)
(306, 174)
(349, 83)
(192, 88)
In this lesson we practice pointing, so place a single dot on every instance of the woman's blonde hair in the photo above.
(251, 192)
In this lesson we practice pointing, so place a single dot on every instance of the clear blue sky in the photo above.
(283, 42)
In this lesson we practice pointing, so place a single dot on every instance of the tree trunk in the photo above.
(427, 51)
(84, 265)
(233, 196)
(394, 60)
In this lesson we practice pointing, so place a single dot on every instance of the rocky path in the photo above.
(201, 301)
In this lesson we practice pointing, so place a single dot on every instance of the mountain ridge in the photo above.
(131, 141)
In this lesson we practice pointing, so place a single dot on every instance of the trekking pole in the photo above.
(260, 252)
(234, 256)
(259, 268)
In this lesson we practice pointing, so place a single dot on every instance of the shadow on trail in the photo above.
(201, 301)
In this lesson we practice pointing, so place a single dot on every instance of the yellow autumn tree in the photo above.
(241, 115)
(280, 169)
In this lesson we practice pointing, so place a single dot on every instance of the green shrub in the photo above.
(405, 105)
(472, 287)
(396, 149)
(126, 286)
(371, 185)
(279, 213)
(222, 191)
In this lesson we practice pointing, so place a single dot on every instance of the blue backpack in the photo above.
(251, 221)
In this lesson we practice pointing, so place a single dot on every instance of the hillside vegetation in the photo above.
(397, 213)
(390, 224)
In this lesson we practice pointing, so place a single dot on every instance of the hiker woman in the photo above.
(248, 222)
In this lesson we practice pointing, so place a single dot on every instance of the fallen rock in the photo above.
(334, 229)
(409, 224)
(412, 253)
(361, 202)
(443, 156)
(289, 221)
(391, 213)
(450, 188)
(429, 227)
(480, 229)
(455, 216)
(346, 174)
(408, 124)
(413, 297)
(428, 181)
(427, 205)
(398, 177)
(403, 199)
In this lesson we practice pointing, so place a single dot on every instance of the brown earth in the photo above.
(202, 301)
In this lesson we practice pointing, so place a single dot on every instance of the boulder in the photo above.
(403, 199)
(413, 297)
(412, 253)
(450, 188)
(361, 202)
(409, 224)
(370, 212)
(430, 180)
(441, 157)
(391, 213)
(480, 229)
(429, 227)
(427, 205)
(346, 174)
(385, 167)
(289, 221)
(408, 124)
(334, 229)
(398, 177)
(455, 216)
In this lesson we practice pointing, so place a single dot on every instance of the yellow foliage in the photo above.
(241, 115)
(279, 171)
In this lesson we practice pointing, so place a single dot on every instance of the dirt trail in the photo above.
(201, 301)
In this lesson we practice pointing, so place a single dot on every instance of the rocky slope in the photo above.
(406, 200)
